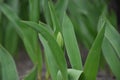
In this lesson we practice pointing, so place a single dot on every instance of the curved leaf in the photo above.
(56, 50)
(113, 37)
(28, 35)
(52, 65)
(8, 67)
(111, 58)
(111, 45)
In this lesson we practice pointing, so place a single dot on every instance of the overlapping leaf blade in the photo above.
(71, 43)
(11, 42)
(24, 33)
(73, 74)
(8, 67)
(111, 47)
(54, 19)
(34, 13)
(47, 12)
(56, 50)
(113, 37)
(111, 58)
(11, 16)
(84, 15)
(93, 58)
(61, 7)
(52, 65)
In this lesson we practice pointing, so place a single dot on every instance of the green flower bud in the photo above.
(60, 39)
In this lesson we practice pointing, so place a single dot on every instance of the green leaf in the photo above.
(47, 12)
(111, 45)
(61, 7)
(85, 18)
(1, 27)
(32, 74)
(72, 74)
(28, 35)
(51, 62)
(56, 50)
(34, 10)
(11, 16)
(71, 44)
(112, 17)
(93, 58)
(56, 24)
(14, 4)
(34, 13)
(8, 67)
(113, 37)
(11, 42)
(111, 58)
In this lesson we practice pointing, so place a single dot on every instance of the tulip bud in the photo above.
(60, 39)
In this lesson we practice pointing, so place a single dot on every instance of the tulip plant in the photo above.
(60, 26)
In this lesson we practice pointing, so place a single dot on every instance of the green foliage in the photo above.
(28, 36)
(72, 74)
(85, 14)
(52, 64)
(8, 68)
(111, 45)
(62, 26)
(71, 44)
(56, 50)
(93, 58)
(34, 10)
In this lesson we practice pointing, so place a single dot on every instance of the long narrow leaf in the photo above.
(56, 24)
(34, 10)
(11, 42)
(26, 34)
(61, 8)
(71, 44)
(8, 67)
(111, 58)
(93, 59)
(11, 16)
(47, 12)
(1, 28)
(113, 37)
(52, 65)
(111, 45)
(56, 50)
